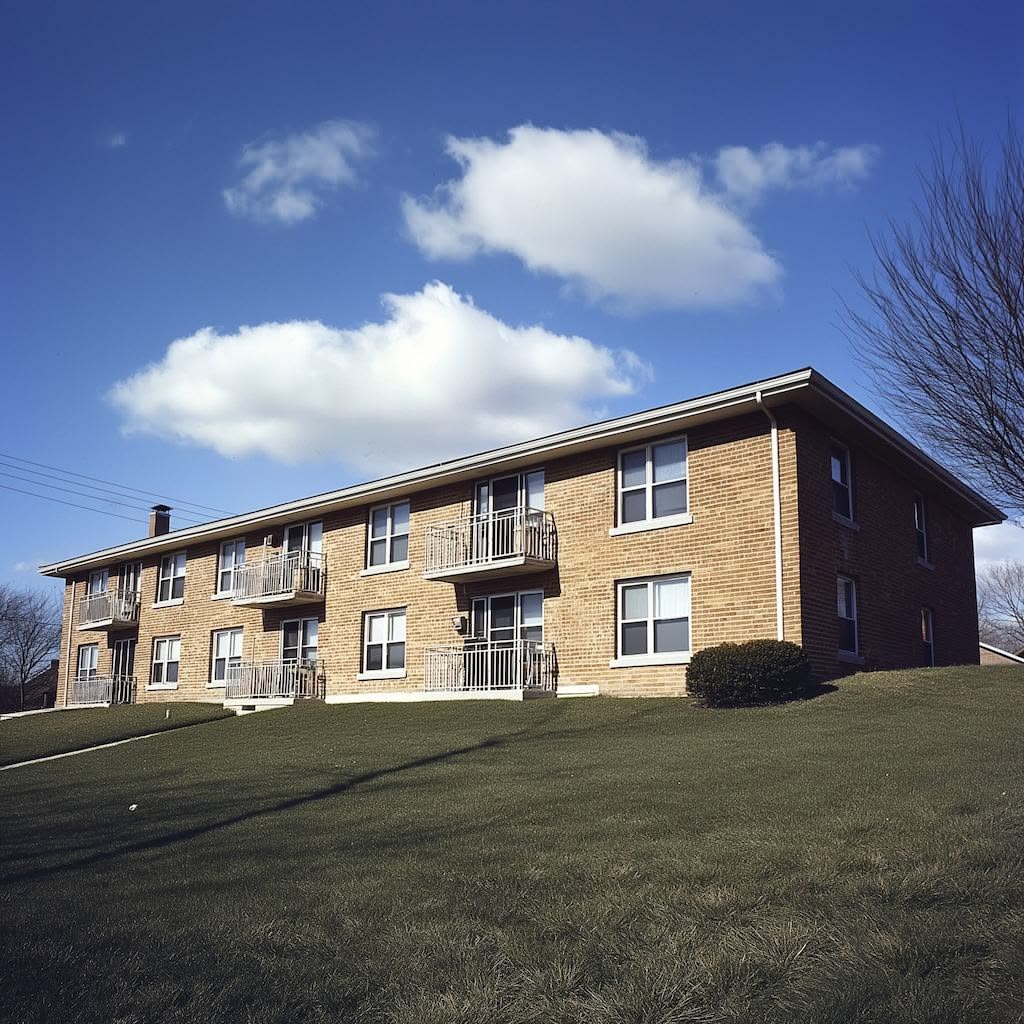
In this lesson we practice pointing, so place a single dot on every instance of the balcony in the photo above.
(480, 667)
(274, 680)
(112, 609)
(291, 577)
(103, 690)
(508, 543)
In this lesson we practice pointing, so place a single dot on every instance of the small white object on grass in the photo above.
(167, 713)
(133, 807)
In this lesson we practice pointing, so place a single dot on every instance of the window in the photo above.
(88, 661)
(921, 527)
(846, 609)
(232, 553)
(388, 535)
(652, 482)
(166, 656)
(171, 580)
(927, 639)
(97, 582)
(227, 651)
(307, 537)
(299, 639)
(842, 496)
(654, 620)
(131, 578)
(384, 641)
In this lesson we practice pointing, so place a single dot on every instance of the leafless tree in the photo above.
(942, 325)
(1001, 605)
(29, 635)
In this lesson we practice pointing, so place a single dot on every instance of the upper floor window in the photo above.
(305, 537)
(384, 641)
(842, 492)
(131, 578)
(654, 619)
(166, 659)
(98, 582)
(846, 611)
(88, 661)
(171, 579)
(232, 553)
(227, 651)
(653, 482)
(300, 639)
(921, 527)
(388, 540)
(927, 638)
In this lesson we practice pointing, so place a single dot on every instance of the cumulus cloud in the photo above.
(596, 210)
(999, 544)
(436, 377)
(285, 179)
(749, 173)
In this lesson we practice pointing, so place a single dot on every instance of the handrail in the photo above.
(117, 605)
(488, 537)
(103, 690)
(479, 666)
(274, 678)
(283, 573)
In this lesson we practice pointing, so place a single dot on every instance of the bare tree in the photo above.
(942, 329)
(29, 635)
(1001, 604)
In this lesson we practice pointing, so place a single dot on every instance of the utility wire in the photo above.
(60, 501)
(83, 494)
(136, 490)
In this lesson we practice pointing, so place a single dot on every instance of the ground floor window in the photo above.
(846, 611)
(227, 651)
(166, 659)
(299, 639)
(653, 619)
(88, 661)
(384, 641)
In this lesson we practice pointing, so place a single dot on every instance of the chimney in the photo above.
(159, 520)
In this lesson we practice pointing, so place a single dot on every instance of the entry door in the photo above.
(507, 629)
(124, 658)
(497, 500)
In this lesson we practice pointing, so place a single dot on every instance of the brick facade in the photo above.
(728, 550)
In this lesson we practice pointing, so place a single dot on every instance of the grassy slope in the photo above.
(859, 857)
(22, 739)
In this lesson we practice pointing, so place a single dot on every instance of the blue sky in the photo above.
(201, 166)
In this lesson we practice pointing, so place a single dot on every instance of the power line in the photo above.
(60, 501)
(83, 494)
(136, 490)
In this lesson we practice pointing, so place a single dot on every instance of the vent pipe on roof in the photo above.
(159, 520)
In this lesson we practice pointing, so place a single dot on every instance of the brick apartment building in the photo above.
(594, 560)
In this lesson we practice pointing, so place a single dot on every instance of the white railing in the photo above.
(483, 539)
(110, 606)
(257, 680)
(103, 690)
(279, 575)
(512, 665)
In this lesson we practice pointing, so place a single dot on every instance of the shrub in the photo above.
(744, 675)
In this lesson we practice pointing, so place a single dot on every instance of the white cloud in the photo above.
(286, 179)
(115, 140)
(748, 173)
(597, 211)
(998, 544)
(437, 377)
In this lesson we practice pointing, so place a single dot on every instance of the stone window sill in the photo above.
(684, 519)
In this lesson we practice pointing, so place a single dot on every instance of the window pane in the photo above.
(220, 645)
(219, 666)
(376, 629)
(400, 549)
(634, 506)
(841, 500)
(671, 635)
(172, 672)
(396, 627)
(668, 461)
(178, 587)
(396, 655)
(634, 602)
(179, 565)
(400, 517)
(672, 599)
(161, 650)
(634, 638)
(670, 499)
(225, 580)
(310, 630)
(158, 672)
(532, 610)
(840, 465)
(374, 658)
(378, 552)
(844, 598)
(634, 468)
(293, 538)
(173, 649)
(290, 631)
(379, 522)
(534, 634)
(236, 644)
(848, 636)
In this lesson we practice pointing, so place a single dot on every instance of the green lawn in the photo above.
(854, 858)
(55, 732)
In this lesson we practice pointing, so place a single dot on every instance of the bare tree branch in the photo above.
(1001, 605)
(30, 624)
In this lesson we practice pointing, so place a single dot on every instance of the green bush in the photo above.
(745, 675)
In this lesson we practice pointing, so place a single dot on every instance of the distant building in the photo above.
(989, 655)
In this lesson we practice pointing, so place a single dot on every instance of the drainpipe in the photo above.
(780, 625)
(67, 653)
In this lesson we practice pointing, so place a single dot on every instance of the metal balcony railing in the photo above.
(112, 608)
(284, 577)
(479, 666)
(520, 535)
(103, 690)
(273, 679)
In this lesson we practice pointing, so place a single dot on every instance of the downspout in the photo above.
(67, 652)
(780, 624)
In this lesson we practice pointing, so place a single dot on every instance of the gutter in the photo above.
(780, 622)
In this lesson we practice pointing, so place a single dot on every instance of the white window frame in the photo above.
(170, 559)
(848, 465)
(855, 618)
(303, 648)
(131, 577)
(650, 522)
(390, 615)
(90, 671)
(227, 546)
(928, 635)
(389, 564)
(163, 661)
(921, 529)
(309, 547)
(99, 582)
(231, 632)
(651, 658)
